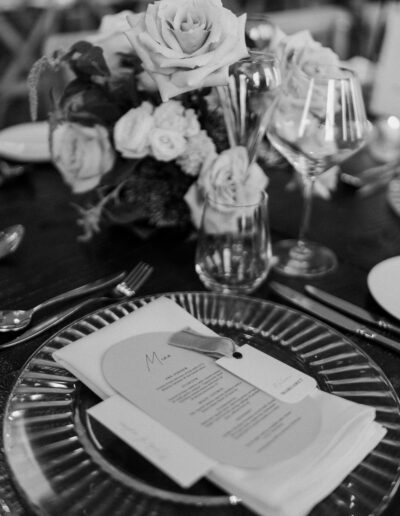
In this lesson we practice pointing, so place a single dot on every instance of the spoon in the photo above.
(16, 320)
(10, 238)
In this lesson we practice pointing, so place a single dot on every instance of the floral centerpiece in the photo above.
(138, 132)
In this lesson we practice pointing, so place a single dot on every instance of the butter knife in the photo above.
(352, 310)
(331, 316)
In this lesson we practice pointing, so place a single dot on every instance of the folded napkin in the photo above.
(289, 487)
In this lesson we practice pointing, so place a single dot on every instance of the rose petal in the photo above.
(169, 37)
(151, 25)
(153, 46)
(136, 21)
(169, 90)
(191, 40)
(159, 29)
(140, 51)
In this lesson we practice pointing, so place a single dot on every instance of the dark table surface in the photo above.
(362, 231)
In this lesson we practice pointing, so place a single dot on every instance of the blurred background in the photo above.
(30, 28)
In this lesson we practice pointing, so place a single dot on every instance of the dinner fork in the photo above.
(123, 290)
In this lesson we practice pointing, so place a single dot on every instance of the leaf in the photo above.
(122, 171)
(87, 60)
(81, 47)
(91, 99)
(123, 88)
(153, 193)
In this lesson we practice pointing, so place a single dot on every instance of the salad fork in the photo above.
(123, 290)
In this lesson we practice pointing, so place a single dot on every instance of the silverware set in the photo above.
(352, 321)
(124, 286)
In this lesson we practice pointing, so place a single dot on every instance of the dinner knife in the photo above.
(331, 316)
(352, 310)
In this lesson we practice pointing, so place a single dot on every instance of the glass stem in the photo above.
(308, 190)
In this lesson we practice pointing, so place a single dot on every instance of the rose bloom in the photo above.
(227, 178)
(166, 145)
(82, 154)
(187, 44)
(302, 58)
(170, 115)
(132, 130)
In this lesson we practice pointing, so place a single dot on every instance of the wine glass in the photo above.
(318, 121)
(253, 84)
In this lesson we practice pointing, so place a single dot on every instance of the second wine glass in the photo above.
(318, 121)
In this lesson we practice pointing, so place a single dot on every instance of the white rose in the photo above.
(82, 154)
(303, 58)
(170, 115)
(227, 178)
(187, 44)
(167, 145)
(300, 48)
(132, 130)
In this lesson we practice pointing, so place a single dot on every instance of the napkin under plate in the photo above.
(290, 487)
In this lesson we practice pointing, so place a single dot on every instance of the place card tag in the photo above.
(164, 449)
(269, 374)
(255, 367)
(224, 417)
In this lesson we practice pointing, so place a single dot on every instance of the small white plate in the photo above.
(27, 142)
(384, 285)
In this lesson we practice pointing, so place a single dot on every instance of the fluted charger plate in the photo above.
(62, 464)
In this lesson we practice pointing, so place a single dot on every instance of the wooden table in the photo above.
(362, 231)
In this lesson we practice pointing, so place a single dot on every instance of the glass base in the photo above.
(229, 284)
(303, 260)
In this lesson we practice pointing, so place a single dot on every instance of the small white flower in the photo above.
(166, 145)
(170, 115)
(198, 148)
(131, 132)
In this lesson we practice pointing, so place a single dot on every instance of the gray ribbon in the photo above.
(215, 347)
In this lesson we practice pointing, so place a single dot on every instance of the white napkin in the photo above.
(289, 488)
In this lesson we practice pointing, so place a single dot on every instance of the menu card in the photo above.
(280, 458)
